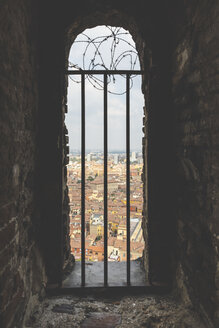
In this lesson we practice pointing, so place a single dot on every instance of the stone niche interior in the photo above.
(178, 48)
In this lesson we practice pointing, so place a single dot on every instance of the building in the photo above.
(96, 225)
(116, 159)
(178, 44)
(122, 232)
(133, 157)
(89, 157)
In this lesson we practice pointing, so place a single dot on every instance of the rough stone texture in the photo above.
(195, 90)
(21, 266)
(101, 319)
(178, 47)
(50, 141)
(146, 311)
(68, 258)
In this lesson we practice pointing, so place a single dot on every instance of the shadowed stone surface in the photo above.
(122, 312)
(178, 49)
(63, 308)
(100, 320)
(94, 274)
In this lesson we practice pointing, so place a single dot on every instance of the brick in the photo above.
(187, 42)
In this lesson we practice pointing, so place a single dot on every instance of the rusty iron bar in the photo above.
(105, 184)
(128, 175)
(82, 180)
(128, 73)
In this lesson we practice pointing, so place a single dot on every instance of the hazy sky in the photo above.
(94, 99)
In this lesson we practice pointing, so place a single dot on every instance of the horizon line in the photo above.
(101, 151)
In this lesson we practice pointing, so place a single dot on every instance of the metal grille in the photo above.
(105, 73)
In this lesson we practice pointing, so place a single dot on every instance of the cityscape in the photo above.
(94, 206)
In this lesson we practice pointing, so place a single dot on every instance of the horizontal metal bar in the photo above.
(108, 72)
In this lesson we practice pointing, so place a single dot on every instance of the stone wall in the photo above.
(22, 275)
(195, 88)
(68, 258)
(178, 47)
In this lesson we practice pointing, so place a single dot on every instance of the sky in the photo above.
(94, 97)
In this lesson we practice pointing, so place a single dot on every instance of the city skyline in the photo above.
(113, 151)
(94, 210)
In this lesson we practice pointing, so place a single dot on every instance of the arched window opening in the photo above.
(104, 174)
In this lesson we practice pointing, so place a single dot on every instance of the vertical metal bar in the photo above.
(82, 179)
(128, 174)
(105, 184)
